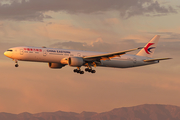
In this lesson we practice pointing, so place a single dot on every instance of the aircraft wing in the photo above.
(152, 60)
(108, 56)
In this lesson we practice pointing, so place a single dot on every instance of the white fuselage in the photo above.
(53, 55)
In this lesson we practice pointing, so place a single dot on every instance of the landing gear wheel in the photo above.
(78, 71)
(87, 69)
(16, 65)
(81, 72)
(93, 71)
(75, 70)
(90, 70)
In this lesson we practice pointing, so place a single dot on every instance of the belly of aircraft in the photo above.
(117, 63)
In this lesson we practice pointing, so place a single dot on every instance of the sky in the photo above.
(103, 25)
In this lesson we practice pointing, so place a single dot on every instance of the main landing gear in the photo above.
(90, 70)
(78, 70)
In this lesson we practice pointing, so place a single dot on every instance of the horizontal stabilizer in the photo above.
(151, 60)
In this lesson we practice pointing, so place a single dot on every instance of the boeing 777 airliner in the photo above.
(58, 58)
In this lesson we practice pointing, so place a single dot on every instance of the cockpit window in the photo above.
(10, 50)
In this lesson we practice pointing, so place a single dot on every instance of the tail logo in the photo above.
(148, 48)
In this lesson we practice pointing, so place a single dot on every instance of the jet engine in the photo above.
(75, 61)
(56, 65)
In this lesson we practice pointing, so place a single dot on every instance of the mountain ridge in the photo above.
(140, 112)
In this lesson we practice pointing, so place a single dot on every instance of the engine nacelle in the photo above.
(75, 61)
(56, 65)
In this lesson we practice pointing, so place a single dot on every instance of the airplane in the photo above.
(58, 58)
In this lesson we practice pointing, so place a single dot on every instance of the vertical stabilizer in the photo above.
(150, 47)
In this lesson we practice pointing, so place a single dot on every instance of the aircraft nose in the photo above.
(5, 53)
(8, 54)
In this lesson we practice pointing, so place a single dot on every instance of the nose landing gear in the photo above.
(16, 63)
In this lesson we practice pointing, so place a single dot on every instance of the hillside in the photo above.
(141, 112)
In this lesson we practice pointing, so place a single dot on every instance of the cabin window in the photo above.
(66, 54)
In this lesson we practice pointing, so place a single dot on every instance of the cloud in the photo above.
(147, 8)
(21, 11)
(170, 36)
(178, 6)
(167, 86)
(35, 10)
(97, 45)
